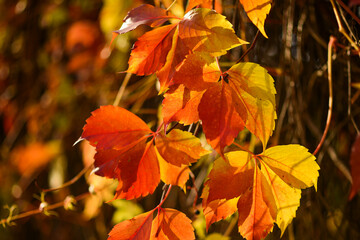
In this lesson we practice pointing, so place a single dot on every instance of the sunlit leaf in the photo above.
(150, 51)
(293, 164)
(204, 30)
(221, 120)
(287, 199)
(144, 14)
(172, 224)
(257, 10)
(179, 147)
(137, 228)
(114, 127)
(257, 209)
(181, 104)
(256, 92)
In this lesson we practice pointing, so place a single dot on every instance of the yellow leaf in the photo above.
(287, 198)
(255, 89)
(257, 10)
(293, 164)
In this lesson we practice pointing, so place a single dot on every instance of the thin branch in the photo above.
(122, 89)
(349, 92)
(341, 28)
(40, 210)
(347, 9)
(72, 181)
(250, 48)
(330, 47)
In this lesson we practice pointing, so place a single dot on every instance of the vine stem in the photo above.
(330, 47)
(40, 210)
(250, 48)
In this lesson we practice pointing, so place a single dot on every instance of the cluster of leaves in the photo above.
(264, 188)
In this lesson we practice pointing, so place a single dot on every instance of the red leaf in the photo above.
(114, 127)
(355, 167)
(137, 170)
(172, 224)
(144, 14)
(221, 122)
(137, 228)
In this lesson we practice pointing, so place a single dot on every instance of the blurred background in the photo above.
(57, 65)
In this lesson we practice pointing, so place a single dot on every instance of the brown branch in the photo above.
(347, 9)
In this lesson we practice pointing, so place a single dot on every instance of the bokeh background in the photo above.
(57, 65)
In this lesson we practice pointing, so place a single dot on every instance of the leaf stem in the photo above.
(164, 195)
(122, 89)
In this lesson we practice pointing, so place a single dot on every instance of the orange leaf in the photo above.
(114, 127)
(198, 72)
(137, 228)
(225, 174)
(257, 10)
(179, 147)
(171, 224)
(181, 104)
(205, 30)
(218, 209)
(172, 174)
(175, 56)
(355, 167)
(150, 51)
(257, 209)
(144, 14)
(221, 122)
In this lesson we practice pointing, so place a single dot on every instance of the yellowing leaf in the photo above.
(225, 174)
(204, 30)
(255, 89)
(179, 147)
(293, 164)
(171, 224)
(287, 198)
(257, 209)
(257, 10)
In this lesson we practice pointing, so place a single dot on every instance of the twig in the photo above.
(330, 47)
(40, 210)
(70, 182)
(349, 92)
(250, 48)
(347, 9)
(341, 28)
(122, 89)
